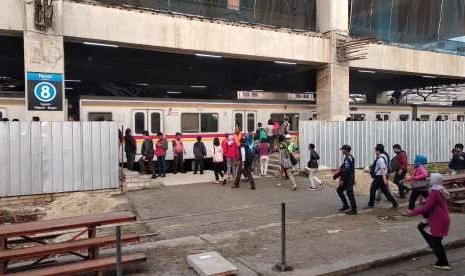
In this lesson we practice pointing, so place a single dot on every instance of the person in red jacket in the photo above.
(401, 169)
(231, 153)
(439, 219)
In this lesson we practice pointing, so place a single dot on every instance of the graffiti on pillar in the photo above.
(44, 50)
(43, 15)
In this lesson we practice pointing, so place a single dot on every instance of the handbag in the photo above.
(420, 185)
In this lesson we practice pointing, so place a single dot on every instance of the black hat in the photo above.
(346, 147)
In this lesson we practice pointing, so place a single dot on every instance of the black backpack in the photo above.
(249, 155)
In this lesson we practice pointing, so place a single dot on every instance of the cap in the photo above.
(288, 136)
(346, 147)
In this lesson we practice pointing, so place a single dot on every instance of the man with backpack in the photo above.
(379, 172)
(246, 159)
(260, 133)
(399, 166)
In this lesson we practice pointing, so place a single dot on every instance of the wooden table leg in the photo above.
(3, 264)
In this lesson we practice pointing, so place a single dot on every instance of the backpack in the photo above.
(393, 164)
(249, 155)
(373, 166)
(262, 135)
(388, 163)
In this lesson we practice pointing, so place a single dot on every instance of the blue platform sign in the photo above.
(45, 91)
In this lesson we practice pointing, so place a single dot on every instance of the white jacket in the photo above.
(217, 154)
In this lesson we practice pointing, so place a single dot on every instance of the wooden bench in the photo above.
(457, 199)
(31, 230)
(450, 180)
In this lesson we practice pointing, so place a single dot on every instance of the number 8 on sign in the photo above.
(45, 92)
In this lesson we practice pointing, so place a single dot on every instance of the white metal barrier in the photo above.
(53, 157)
(435, 140)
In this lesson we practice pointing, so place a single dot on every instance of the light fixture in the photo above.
(208, 56)
(198, 86)
(284, 62)
(100, 44)
(367, 71)
(11, 86)
(69, 88)
(257, 90)
(141, 84)
(428, 77)
(73, 80)
(173, 92)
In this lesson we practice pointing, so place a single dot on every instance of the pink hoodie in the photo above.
(419, 173)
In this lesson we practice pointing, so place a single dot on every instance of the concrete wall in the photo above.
(11, 15)
(191, 35)
(394, 59)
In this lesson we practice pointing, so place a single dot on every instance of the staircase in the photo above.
(134, 181)
(274, 165)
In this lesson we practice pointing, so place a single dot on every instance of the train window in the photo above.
(446, 117)
(294, 120)
(460, 118)
(250, 122)
(382, 117)
(100, 116)
(1, 115)
(424, 117)
(279, 117)
(357, 117)
(386, 117)
(209, 122)
(190, 122)
(404, 117)
(155, 122)
(139, 122)
(238, 121)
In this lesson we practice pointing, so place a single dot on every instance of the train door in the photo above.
(147, 119)
(246, 121)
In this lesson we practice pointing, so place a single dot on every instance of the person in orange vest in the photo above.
(178, 154)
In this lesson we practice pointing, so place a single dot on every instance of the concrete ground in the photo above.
(243, 226)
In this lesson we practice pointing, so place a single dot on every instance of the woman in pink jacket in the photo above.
(418, 180)
(439, 219)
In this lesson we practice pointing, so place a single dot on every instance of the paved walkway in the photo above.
(320, 240)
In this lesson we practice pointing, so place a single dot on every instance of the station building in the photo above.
(202, 48)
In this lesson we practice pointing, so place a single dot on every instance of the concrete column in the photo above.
(332, 88)
(44, 53)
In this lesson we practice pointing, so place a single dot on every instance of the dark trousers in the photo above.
(161, 166)
(397, 179)
(178, 163)
(149, 167)
(436, 244)
(247, 171)
(378, 183)
(348, 187)
(414, 196)
(218, 170)
(130, 158)
(199, 165)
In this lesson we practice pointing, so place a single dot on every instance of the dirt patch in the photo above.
(21, 214)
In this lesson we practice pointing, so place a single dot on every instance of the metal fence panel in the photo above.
(432, 139)
(52, 157)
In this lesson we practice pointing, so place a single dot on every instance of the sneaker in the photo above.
(368, 207)
(443, 267)
(201, 172)
(279, 184)
(344, 209)
(216, 182)
(154, 177)
(224, 181)
(351, 212)
(234, 187)
(294, 188)
(311, 189)
(395, 206)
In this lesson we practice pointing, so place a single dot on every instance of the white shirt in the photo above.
(381, 165)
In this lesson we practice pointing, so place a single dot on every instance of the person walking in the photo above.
(276, 134)
(286, 126)
(231, 153)
(286, 149)
(199, 154)
(380, 179)
(312, 167)
(245, 165)
(264, 153)
(418, 181)
(147, 155)
(346, 175)
(160, 151)
(178, 154)
(439, 219)
(457, 163)
(218, 165)
(400, 169)
(130, 147)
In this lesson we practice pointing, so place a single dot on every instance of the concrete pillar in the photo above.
(44, 63)
(332, 88)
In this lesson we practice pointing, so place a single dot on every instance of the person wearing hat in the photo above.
(380, 178)
(199, 154)
(439, 219)
(346, 175)
(178, 154)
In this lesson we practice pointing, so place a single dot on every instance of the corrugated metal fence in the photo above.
(53, 157)
(433, 139)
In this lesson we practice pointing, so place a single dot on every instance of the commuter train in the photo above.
(213, 118)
